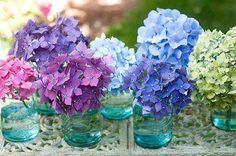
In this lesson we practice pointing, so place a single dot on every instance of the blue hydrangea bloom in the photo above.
(160, 88)
(122, 59)
(168, 35)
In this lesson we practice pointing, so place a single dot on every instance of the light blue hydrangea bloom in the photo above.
(123, 58)
(168, 35)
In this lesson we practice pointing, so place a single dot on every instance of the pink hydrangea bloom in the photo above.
(16, 79)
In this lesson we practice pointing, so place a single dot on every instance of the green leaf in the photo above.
(232, 92)
(234, 85)
(210, 95)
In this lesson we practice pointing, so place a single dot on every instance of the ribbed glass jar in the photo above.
(150, 132)
(43, 108)
(117, 107)
(19, 123)
(82, 130)
(225, 120)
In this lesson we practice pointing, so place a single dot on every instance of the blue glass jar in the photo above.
(82, 130)
(150, 132)
(43, 108)
(224, 120)
(19, 123)
(117, 107)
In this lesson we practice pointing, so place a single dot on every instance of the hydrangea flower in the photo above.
(168, 35)
(41, 43)
(212, 65)
(16, 79)
(117, 55)
(159, 87)
(74, 83)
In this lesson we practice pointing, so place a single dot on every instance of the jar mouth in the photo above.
(120, 93)
(139, 110)
(18, 111)
(11, 100)
(26, 103)
(123, 100)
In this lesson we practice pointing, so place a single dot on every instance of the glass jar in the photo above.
(224, 120)
(117, 107)
(82, 129)
(150, 132)
(19, 123)
(43, 108)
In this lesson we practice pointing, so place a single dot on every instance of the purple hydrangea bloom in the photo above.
(75, 82)
(168, 35)
(40, 44)
(160, 88)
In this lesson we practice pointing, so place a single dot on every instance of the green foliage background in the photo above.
(212, 14)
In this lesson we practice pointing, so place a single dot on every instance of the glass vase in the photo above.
(117, 107)
(150, 132)
(43, 108)
(19, 123)
(82, 130)
(224, 120)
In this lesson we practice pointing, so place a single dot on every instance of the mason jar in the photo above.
(224, 119)
(151, 132)
(82, 129)
(20, 122)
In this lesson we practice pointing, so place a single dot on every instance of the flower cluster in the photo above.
(168, 36)
(74, 83)
(212, 65)
(16, 79)
(122, 59)
(42, 43)
(159, 87)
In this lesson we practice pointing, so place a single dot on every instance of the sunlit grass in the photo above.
(4, 48)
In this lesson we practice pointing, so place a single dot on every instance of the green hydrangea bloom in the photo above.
(212, 65)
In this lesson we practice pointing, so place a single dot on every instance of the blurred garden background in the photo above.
(118, 18)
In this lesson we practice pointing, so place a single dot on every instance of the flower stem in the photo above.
(228, 116)
(25, 104)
